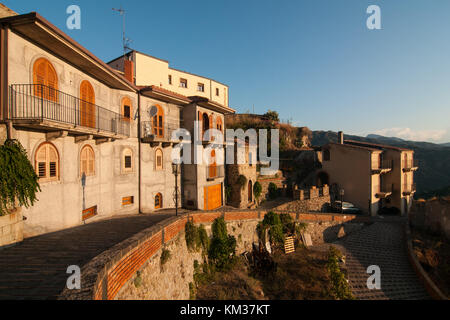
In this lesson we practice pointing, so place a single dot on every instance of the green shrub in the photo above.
(138, 280)
(18, 180)
(242, 181)
(165, 257)
(272, 221)
(222, 249)
(204, 239)
(257, 190)
(192, 236)
(273, 191)
(339, 286)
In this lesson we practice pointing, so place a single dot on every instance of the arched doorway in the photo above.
(322, 179)
(250, 191)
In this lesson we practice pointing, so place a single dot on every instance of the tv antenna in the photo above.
(126, 41)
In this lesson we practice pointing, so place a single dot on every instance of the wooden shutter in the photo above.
(87, 96)
(87, 161)
(47, 163)
(45, 79)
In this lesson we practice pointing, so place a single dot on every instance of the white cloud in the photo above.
(409, 134)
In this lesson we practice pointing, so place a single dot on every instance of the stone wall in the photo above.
(3, 133)
(433, 215)
(239, 197)
(132, 269)
(11, 228)
(279, 180)
(311, 200)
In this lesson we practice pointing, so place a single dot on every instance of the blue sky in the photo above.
(313, 61)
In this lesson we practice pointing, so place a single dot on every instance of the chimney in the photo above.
(128, 70)
(341, 137)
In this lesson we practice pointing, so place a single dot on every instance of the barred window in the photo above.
(128, 164)
(159, 159)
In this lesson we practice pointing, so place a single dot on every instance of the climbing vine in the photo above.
(18, 180)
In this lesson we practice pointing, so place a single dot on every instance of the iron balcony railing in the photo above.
(215, 172)
(382, 165)
(409, 188)
(40, 102)
(410, 164)
(157, 131)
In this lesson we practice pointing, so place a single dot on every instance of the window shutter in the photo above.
(53, 162)
(91, 162)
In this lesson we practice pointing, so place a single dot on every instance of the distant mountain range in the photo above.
(433, 176)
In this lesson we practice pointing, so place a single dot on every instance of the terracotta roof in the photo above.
(33, 17)
(374, 145)
(354, 146)
(164, 91)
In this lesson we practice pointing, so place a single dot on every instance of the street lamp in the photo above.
(176, 172)
(342, 193)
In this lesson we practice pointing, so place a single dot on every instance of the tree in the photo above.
(18, 180)
(273, 116)
(257, 190)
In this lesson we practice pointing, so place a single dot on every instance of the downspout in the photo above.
(139, 152)
(4, 81)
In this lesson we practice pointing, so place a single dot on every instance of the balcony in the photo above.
(382, 167)
(410, 165)
(409, 189)
(384, 192)
(43, 108)
(215, 172)
(155, 133)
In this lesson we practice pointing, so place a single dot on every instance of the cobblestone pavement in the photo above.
(36, 268)
(382, 244)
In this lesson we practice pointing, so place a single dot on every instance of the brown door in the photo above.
(213, 197)
(250, 191)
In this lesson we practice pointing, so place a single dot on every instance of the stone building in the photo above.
(241, 191)
(100, 139)
(373, 177)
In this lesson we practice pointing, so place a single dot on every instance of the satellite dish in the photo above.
(153, 111)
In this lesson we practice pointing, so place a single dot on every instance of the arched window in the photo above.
(127, 162)
(45, 80)
(219, 124)
(159, 159)
(87, 107)
(326, 155)
(158, 122)
(47, 162)
(205, 123)
(158, 201)
(213, 166)
(127, 109)
(87, 161)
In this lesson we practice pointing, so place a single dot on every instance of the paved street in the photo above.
(36, 268)
(382, 244)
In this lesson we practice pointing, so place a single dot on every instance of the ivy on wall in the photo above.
(18, 180)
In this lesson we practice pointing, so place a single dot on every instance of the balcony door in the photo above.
(87, 105)
(45, 80)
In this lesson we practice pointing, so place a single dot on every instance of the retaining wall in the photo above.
(132, 269)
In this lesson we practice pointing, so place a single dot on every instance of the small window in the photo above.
(159, 159)
(217, 92)
(87, 159)
(158, 201)
(127, 161)
(127, 201)
(201, 87)
(183, 83)
(326, 155)
(126, 108)
(170, 80)
(47, 163)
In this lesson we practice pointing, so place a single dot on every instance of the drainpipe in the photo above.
(139, 152)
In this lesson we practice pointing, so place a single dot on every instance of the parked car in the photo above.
(347, 207)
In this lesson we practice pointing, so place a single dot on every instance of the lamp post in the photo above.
(342, 193)
(176, 172)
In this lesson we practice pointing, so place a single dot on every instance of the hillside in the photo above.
(433, 177)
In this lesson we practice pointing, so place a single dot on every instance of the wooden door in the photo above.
(213, 197)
